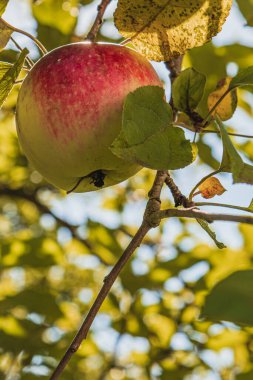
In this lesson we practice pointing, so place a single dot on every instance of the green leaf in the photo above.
(188, 89)
(4, 67)
(243, 78)
(10, 76)
(5, 34)
(246, 7)
(232, 161)
(145, 113)
(165, 150)
(211, 233)
(147, 136)
(251, 205)
(231, 299)
(3, 5)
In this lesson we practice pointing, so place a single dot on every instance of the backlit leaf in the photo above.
(5, 34)
(231, 299)
(165, 29)
(9, 78)
(226, 108)
(188, 89)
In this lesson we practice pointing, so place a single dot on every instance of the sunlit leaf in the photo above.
(5, 34)
(188, 89)
(9, 78)
(4, 67)
(226, 108)
(231, 299)
(165, 29)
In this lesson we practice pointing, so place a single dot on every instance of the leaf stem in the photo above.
(200, 204)
(126, 41)
(229, 133)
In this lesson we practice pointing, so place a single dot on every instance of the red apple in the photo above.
(69, 111)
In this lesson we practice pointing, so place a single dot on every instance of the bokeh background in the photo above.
(56, 249)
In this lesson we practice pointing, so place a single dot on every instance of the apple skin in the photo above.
(69, 111)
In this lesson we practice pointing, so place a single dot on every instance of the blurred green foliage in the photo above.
(52, 270)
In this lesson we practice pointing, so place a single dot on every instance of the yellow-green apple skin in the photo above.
(69, 111)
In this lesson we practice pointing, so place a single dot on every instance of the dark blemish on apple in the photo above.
(97, 178)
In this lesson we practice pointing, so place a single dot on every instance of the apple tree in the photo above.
(135, 279)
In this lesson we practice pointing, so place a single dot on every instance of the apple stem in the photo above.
(91, 36)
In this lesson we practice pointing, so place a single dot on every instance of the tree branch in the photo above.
(179, 198)
(196, 214)
(98, 21)
(152, 208)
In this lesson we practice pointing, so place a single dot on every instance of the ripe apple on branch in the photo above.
(69, 111)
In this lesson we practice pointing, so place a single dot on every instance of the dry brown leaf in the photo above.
(162, 29)
(211, 187)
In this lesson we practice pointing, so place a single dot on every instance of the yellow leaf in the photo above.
(211, 187)
(163, 29)
(227, 106)
(5, 34)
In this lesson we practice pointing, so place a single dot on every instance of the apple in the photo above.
(69, 111)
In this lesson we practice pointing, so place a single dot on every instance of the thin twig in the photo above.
(91, 36)
(29, 61)
(234, 207)
(196, 214)
(34, 39)
(174, 66)
(179, 198)
(153, 206)
(229, 133)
